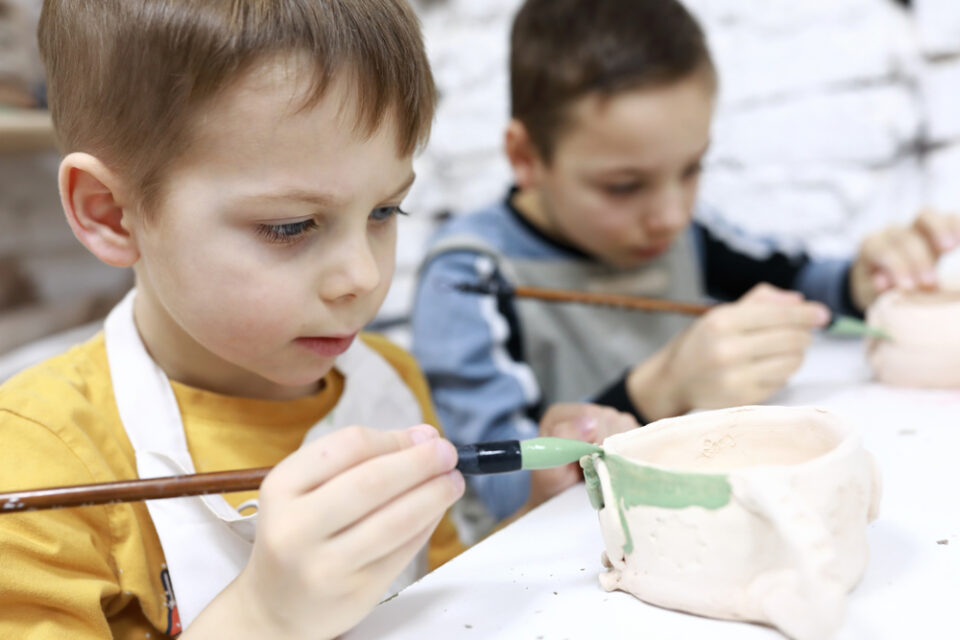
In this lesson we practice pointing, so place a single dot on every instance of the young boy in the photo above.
(247, 159)
(612, 102)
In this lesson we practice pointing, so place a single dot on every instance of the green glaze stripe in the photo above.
(641, 485)
(636, 485)
(592, 481)
(543, 453)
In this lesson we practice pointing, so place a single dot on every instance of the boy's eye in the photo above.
(623, 188)
(285, 233)
(693, 170)
(382, 214)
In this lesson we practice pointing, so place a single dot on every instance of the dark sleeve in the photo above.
(616, 397)
(730, 271)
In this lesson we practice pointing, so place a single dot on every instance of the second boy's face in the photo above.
(623, 179)
(274, 243)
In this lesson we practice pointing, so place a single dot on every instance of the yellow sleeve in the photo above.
(56, 565)
(445, 543)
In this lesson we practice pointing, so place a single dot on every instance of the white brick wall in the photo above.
(938, 25)
(939, 86)
(873, 125)
(943, 177)
(771, 49)
(468, 44)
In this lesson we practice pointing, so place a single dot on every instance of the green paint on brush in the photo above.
(543, 453)
(847, 326)
(634, 484)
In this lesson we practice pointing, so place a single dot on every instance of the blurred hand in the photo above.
(902, 257)
(577, 421)
(339, 520)
(736, 354)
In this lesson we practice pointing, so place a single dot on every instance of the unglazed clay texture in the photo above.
(925, 349)
(753, 513)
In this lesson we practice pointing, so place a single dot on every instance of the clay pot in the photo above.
(925, 349)
(752, 513)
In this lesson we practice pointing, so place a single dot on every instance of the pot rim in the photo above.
(849, 439)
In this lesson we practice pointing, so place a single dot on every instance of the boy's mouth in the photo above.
(327, 346)
(650, 252)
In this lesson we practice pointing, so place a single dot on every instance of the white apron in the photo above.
(206, 542)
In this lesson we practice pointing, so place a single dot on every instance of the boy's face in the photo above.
(622, 182)
(274, 241)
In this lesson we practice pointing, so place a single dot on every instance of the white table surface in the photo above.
(537, 578)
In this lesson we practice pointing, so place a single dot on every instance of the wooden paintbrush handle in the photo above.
(133, 490)
(610, 300)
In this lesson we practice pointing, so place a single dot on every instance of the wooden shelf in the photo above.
(25, 130)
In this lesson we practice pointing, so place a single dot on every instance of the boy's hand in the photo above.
(577, 421)
(339, 520)
(737, 354)
(902, 257)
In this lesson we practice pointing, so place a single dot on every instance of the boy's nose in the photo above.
(669, 214)
(355, 273)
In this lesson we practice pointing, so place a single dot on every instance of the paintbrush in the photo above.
(473, 459)
(839, 324)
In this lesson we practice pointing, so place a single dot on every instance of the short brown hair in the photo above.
(125, 77)
(562, 50)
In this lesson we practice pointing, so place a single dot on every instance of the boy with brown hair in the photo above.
(247, 158)
(612, 103)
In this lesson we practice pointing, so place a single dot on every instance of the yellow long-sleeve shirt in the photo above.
(98, 572)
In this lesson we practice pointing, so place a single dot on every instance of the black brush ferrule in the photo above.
(489, 457)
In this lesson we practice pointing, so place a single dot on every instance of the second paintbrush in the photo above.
(839, 324)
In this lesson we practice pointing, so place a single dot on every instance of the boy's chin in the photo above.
(627, 261)
(636, 257)
(301, 380)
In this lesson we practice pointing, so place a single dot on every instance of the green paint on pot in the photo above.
(592, 481)
(635, 485)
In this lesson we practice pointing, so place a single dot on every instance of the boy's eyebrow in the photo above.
(631, 170)
(319, 198)
(403, 187)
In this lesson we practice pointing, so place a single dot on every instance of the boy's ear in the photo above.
(522, 154)
(92, 197)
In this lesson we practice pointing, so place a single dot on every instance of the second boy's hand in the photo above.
(902, 257)
(839, 324)
(737, 354)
